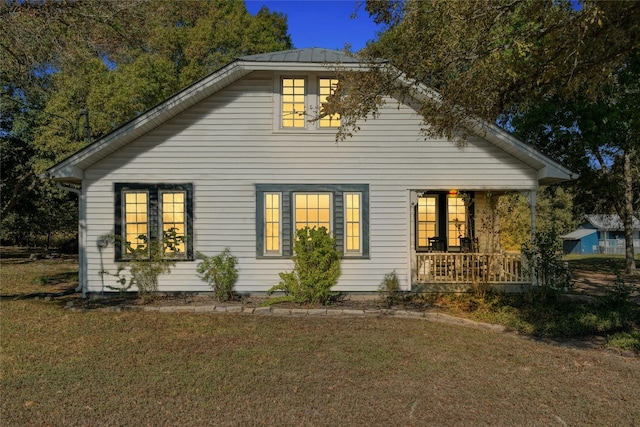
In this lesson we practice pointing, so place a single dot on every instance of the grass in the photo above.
(21, 275)
(146, 368)
(561, 318)
(606, 264)
(94, 367)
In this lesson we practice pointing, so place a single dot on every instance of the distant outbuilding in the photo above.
(600, 234)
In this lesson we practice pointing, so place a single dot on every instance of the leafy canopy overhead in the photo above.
(485, 57)
(114, 59)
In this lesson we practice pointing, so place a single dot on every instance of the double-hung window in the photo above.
(272, 223)
(281, 210)
(326, 88)
(312, 210)
(456, 219)
(352, 223)
(426, 220)
(145, 212)
(293, 103)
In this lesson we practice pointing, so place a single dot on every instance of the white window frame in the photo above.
(294, 208)
(321, 101)
(418, 222)
(312, 103)
(279, 251)
(161, 194)
(450, 224)
(345, 195)
(125, 222)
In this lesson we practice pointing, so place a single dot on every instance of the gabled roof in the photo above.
(314, 59)
(610, 222)
(312, 55)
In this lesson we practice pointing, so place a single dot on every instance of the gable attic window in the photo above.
(282, 209)
(299, 99)
(148, 212)
(327, 87)
(293, 101)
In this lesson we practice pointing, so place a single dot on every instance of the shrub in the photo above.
(544, 259)
(389, 287)
(147, 261)
(220, 272)
(626, 341)
(316, 268)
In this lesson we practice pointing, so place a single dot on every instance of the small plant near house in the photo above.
(316, 269)
(219, 272)
(389, 287)
(147, 261)
(544, 259)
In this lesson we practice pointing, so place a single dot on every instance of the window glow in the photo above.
(456, 220)
(427, 224)
(293, 94)
(352, 235)
(327, 87)
(136, 218)
(174, 217)
(312, 210)
(272, 222)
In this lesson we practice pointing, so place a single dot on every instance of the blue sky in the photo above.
(322, 23)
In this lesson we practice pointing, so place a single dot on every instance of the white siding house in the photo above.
(224, 146)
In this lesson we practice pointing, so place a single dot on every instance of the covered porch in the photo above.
(455, 243)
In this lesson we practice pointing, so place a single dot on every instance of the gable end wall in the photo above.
(225, 145)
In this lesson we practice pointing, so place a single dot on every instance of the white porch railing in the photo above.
(469, 268)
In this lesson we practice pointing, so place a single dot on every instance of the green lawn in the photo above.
(145, 368)
(62, 367)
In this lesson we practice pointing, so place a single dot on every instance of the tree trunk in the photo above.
(627, 215)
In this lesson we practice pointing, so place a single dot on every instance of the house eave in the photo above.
(68, 173)
(548, 171)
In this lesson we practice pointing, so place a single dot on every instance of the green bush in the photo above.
(316, 268)
(545, 265)
(625, 341)
(220, 272)
(389, 287)
(147, 261)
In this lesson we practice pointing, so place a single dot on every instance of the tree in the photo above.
(113, 60)
(554, 214)
(600, 140)
(495, 59)
(486, 57)
(35, 39)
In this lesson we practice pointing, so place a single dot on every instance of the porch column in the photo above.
(532, 206)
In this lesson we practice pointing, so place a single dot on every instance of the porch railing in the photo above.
(468, 268)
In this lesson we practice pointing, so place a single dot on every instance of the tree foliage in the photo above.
(567, 67)
(554, 211)
(600, 140)
(485, 57)
(114, 60)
